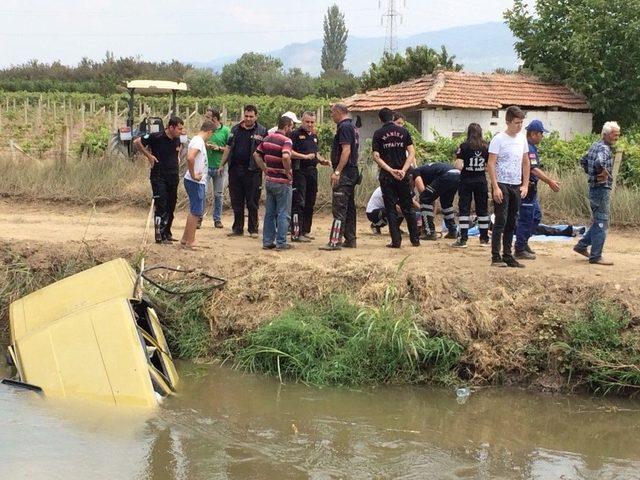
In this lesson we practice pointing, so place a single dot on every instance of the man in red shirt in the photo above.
(273, 157)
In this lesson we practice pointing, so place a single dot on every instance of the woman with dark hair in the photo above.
(471, 158)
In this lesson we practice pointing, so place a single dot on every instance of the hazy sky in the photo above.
(191, 30)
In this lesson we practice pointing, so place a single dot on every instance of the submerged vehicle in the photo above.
(90, 337)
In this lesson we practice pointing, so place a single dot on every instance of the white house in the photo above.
(446, 102)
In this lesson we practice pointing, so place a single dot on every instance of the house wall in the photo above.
(455, 121)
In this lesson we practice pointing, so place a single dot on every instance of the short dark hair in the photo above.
(514, 112)
(207, 126)
(385, 115)
(251, 108)
(214, 113)
(398, 115)
(284, 122)
(174, 122)
(340, 107)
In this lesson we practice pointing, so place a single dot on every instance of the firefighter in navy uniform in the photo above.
(394, 153)
(433, 181)
(161, 150)
(305, 177)
(345, 177)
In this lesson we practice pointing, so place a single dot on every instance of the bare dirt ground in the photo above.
(495, 313)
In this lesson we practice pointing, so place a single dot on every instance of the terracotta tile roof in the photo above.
(469, 90)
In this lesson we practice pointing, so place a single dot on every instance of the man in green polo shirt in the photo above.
(215, 147)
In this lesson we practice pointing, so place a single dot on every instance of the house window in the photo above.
(495, 114)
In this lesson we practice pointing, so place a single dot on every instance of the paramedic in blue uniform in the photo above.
(530, 214)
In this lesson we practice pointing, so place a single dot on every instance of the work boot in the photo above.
(527, 248)
(218, 224)
(524, 255)
(301, 239)
(485, 242)
(498, 262)
(429, 236)
(392, 245)
(349, 244)
(375, 229)
(582, 251)
(600, 261)
(511, 262)
(459, 243)
(451, 235)
(329, 247)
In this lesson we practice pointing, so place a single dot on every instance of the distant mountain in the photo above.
(480, 48)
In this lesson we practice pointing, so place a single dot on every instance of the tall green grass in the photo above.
(603, 350)
(339, 343)
(185, 324)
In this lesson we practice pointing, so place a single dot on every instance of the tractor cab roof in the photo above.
(157, 86)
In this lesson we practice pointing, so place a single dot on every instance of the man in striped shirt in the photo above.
(273, 156)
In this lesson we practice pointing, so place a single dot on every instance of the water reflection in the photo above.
(227, 425)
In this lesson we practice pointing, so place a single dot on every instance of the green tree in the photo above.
(334, 49)
(591, 45)
(203, 82)
(252, 74)
(416, 62)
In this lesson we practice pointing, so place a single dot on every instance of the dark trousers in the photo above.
(343, 204)
(244, 189)
(165, 193)
(398, 192)
(506, 217)
(478, 193)
(445, 188)
(305, 191)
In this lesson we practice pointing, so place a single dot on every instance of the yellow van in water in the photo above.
(88, 337)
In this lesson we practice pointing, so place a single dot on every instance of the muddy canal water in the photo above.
(227, 425)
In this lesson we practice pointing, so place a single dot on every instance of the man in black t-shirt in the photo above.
(161, 150)
(471, 157)
(394, 153)
(345, 177)
(305, 177)
(437, 180)
(245, 178)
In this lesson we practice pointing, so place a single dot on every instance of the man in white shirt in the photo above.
(508, 169)
(195, 181)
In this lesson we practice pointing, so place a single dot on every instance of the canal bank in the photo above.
(548, 327)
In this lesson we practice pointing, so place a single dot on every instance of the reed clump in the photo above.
(337, 342)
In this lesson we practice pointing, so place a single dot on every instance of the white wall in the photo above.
(449, 122)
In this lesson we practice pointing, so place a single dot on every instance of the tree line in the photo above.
(252, 74)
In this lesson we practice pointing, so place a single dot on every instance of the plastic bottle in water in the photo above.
(463, 392)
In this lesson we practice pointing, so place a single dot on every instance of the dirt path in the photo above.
(64, 228)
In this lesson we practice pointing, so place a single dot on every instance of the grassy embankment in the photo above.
(396, 336)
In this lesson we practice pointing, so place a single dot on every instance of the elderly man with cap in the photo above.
(530, 214)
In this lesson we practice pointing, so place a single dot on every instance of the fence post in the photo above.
(82, 117)
(617, 160)
(64, 145)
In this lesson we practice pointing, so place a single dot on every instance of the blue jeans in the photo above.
(529, 218)
(276, 216)
(218, 188)
(599, 199)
